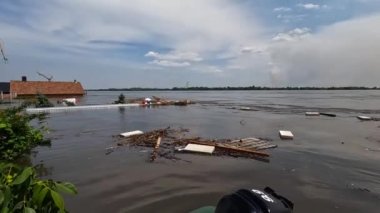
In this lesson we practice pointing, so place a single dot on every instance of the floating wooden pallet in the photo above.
(249, 143)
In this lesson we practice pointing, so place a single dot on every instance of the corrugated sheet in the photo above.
(46, 88)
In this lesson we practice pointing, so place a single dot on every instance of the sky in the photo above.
(172, 43)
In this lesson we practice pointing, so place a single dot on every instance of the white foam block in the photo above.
(364, 118)
(311, 113)
(285, 134)
(128, 134)
(199, 148)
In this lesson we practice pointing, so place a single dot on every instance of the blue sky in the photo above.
(150, 43)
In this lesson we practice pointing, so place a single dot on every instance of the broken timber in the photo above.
(231, 148)
(172, 140)
(155, 150)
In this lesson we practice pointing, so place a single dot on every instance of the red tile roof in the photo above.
(46, 87)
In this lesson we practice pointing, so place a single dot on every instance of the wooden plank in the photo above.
(262, 154)
(267, 147)
(155, 150)
(245, 139)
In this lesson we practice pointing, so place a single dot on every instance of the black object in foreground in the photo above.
(327, 114)
(254, 201)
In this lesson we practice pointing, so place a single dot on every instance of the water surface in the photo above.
(330, 166)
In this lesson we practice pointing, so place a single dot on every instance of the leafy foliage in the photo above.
(22, 191)
(17, 136)
(121, 99)
(43, 101)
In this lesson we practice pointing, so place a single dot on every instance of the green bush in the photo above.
(43, 101)
(22, 191)
(121, 99)
(17, 136)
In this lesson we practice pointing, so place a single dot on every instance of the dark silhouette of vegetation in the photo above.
(42, 101)
(121, 99)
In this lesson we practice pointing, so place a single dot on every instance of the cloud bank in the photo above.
(344, 53)
(167, 43)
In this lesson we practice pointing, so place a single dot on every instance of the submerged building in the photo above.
(4, 87)
(25, 88)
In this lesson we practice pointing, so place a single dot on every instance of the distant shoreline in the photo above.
(234, 88)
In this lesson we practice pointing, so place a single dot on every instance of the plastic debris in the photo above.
(245, 108)
(364, 118)
(285, 134)
(132, 133)
(312, 113)
(174, 138)
(198, 148)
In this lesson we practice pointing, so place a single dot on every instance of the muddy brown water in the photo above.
(316, 170)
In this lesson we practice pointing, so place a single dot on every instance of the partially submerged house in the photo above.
(4, 87)
(4, 90)
(49, 88)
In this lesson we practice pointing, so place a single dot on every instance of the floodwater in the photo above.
(332, 165)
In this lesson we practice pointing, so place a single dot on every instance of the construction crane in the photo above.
(47, 78)
(2, 53)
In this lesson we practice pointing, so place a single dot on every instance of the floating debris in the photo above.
(372, 150)
(132, 133)
(170, 140)
(312, 113)
(245, 108)
(251, 143)
(69, 101)
(364, 118)
(197, 148)
(327, 114)
(285, 134)
(156, 101)
(109, 150)
(155, 150)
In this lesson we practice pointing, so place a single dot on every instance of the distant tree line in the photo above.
(237, 88)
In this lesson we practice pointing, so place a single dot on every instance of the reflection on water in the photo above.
(316, 170)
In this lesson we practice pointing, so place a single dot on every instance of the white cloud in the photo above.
(291, 17)
(309, 6)
(252, 49)
(192, 31)
(282, 9)
(166, 63)
(344, 53)
(175, 56)
(296, 34)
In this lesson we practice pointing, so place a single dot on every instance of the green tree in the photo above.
(121, 99)
(17, 136)
(22, 191)
(42, 101)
